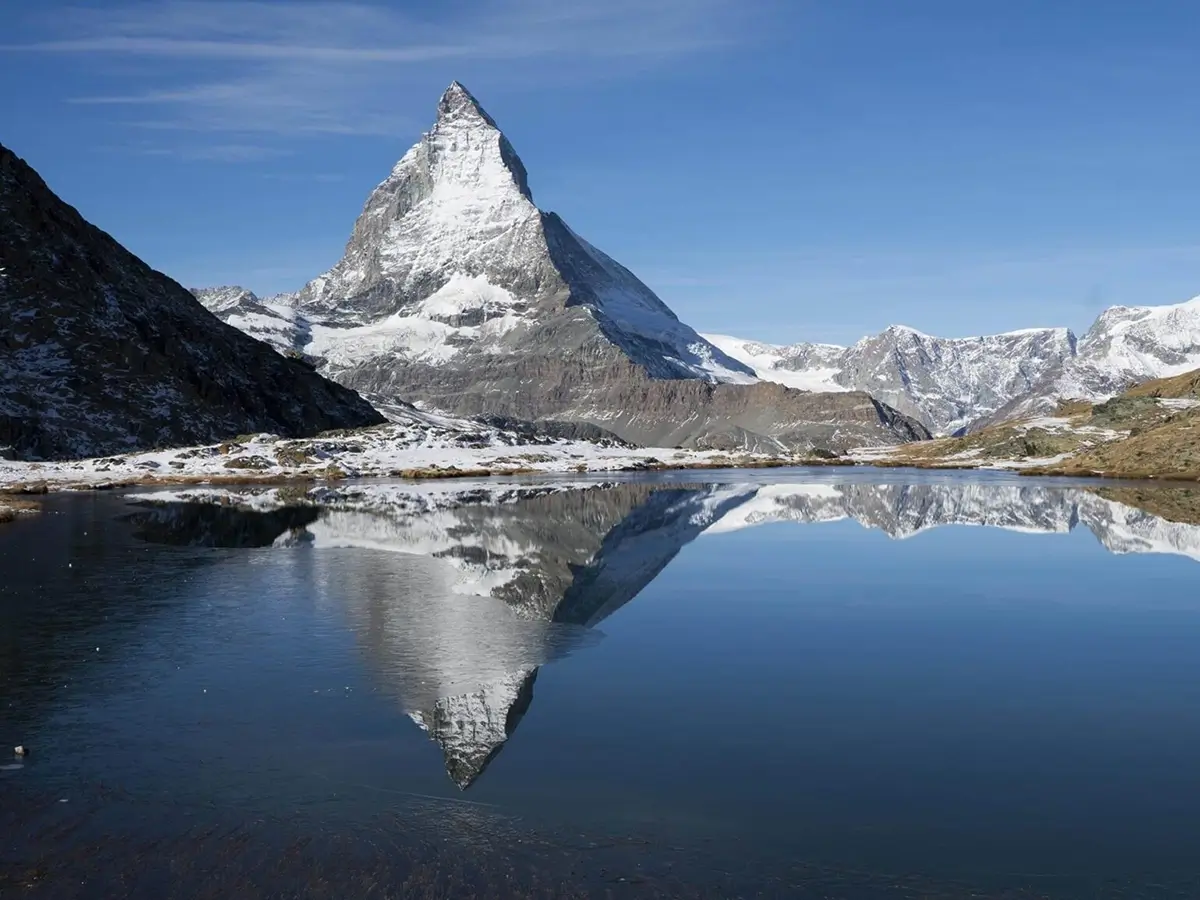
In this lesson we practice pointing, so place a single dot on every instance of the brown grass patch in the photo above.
(1069, 409)
(28, 487)
(431, 472)
(1185, 386)
(294, 456)
(1169, 450)
(12, 509)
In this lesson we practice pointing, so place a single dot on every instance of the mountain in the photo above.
(1125, 346)
(273, 322)
(957, 384)
(100, 354)
(1159, 436)
(945, 383)
(456, 292)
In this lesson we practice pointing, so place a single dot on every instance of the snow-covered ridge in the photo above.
(952, 384)
(946, 383)
(273, 321)
(458, 294)
(450, 254)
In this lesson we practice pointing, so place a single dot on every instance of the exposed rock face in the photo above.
(456, 292)
(100, 354)
(1125, 346)
(945, 383)
(957, 384)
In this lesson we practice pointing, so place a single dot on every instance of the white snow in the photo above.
(905, 510)
(947, 383)
(455, 218)
(764, 359)
(415, 440)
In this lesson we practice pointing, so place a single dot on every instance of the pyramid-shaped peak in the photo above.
(458, 104)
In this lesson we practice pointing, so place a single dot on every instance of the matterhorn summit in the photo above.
(457, 293)
(451, 252)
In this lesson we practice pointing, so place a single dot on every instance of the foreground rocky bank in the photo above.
(1149, 431)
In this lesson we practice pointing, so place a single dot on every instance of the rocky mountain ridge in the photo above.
(958, 384)
(457, 293)
(100, 354)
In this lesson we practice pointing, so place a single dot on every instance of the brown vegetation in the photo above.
(11, 509)
(1185, 386)
(1169, 450)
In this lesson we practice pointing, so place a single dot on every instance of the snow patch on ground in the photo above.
(414, 444)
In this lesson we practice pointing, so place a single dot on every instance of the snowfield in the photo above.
(955, 383)
(415, 444)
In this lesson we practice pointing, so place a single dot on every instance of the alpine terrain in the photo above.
(946, 383)
(100, 354)
(961, 384)
(457, 293)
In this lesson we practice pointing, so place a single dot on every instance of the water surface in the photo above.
(808, 684)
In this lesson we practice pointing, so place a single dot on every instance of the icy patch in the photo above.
(765, 360)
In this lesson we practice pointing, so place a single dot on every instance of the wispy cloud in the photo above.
(223, 153)
(310, 68)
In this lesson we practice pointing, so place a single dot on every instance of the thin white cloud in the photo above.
(309, 68)
(223, 153)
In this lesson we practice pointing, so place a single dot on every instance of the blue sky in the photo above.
(776, 169)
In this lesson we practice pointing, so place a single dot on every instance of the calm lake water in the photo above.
(796, 684)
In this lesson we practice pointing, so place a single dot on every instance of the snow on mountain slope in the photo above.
(818, 371)
(453, 237)
(457, 293)
(273, 322)
(946, 383)
(1145, 341)
(954, 384)
(1125, 346)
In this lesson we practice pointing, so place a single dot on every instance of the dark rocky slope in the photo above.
(100, 354)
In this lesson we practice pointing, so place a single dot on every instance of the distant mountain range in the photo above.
(456, 292)
(957, 384)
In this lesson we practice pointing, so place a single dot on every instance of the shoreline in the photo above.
(15, 494)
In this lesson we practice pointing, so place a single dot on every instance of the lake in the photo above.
(809, 683)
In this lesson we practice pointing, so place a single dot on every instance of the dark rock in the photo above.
(101, 354)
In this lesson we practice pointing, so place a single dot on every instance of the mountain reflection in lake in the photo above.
(799, 685)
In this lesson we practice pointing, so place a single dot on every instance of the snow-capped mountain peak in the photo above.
(1146, 337)
(1125, 345)
(457, 293)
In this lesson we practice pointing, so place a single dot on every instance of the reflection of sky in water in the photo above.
(836, 671)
